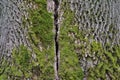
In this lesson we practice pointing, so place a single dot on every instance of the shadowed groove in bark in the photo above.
(56, 65)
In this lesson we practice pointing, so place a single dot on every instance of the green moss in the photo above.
(21, 62)
(95, 46)
(42, 24)
(19, 66)
(108, 62)
(69, 64)
(41, 35)
(22, 58)
(45, 60)
(3, 66)
(108, 57)
(3, 77)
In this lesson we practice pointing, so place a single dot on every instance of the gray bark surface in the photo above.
(96, 42)
(97, 38)
(12, 30)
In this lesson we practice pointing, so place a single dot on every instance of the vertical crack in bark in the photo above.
(56, 66)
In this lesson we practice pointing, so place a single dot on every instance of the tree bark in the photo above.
(86, 39)
(13, 32)
(56, 8)
(97, 39)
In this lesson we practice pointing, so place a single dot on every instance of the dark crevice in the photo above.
(56, 5)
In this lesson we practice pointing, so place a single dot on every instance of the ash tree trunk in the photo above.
(12, 30)
(93, 30)
(13, 33)
(87, 46)
(26, 40)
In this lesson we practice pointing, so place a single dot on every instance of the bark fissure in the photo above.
(56, 5)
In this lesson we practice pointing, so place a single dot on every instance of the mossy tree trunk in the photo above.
(85, 42)
(91, 28)
(26, 40)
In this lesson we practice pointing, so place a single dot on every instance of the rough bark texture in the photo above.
(23, 36)
(12, 30)
(96, 37)
(59, 39)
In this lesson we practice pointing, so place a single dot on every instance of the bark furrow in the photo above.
(56, 6)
